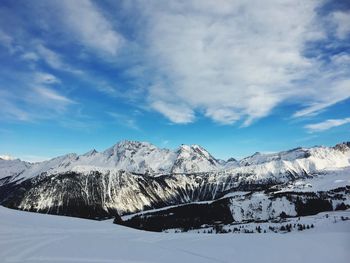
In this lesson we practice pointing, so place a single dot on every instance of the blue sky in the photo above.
(233, 76)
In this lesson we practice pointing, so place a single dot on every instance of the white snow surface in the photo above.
(31, 237)
(12, 167)
(322, 181)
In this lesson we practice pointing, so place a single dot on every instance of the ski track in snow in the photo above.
(31, 237)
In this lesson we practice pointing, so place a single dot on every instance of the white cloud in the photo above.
(232, 60)
(6, 157)
(6, 40)
(54, 60)
(124, 120)
(87, 24)
(341, 59)
(50, 57)
(165, 142)
(175, 112)
(30, 56)
(324, 93)
(34, 158)
(52, 95)
(34, 103)
(342, 22)
(222, 115)
(46, 78)
(107, 89)
(328, 124)
(10, 109)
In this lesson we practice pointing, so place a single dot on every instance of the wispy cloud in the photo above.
(51, 95)
(165, 142)
(55, 60)
(46, 78)
(86, 24)
(10, 109)
(230, 61)
(6, 157)
(50, 57)
(30, 56)
(37, 97)
(177, 113)
(325, 92)
(124, 120)
(107, 89)
(6, 41)
(326, 125)
(342, 22)
(33, 158)
(209, 58)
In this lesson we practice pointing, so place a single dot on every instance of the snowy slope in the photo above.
(30, 237)
(9, 168)
(322, 181)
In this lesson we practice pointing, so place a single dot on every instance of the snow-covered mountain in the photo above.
(12, 168)
(320, 155)
(130, 156)
(289, 165)
(135, 176)
(194, 159)
(145, 158)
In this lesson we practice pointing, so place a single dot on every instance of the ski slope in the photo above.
(31, 237)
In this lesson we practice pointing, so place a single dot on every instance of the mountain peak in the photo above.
(344, 146)
(126, 148)
(90, 153)
(133, 144)
(193, 158)
(231, 160)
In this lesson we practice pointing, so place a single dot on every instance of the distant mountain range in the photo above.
(137, 177)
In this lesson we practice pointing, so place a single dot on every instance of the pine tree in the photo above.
(258, 229)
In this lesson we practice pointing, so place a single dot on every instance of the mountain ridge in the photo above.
(92, 186)
(146, 158)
